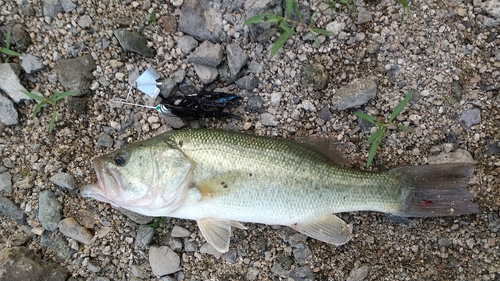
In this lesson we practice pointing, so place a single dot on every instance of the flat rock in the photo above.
(72, 229)
(187, 43)
(248, 82)
(267, 119)
(364, 16)
(51, 8)
(359, 273)
(104, 140)
(208, 54)
(144, 236)
(202, 19)
(6, 182)
(68, 5)
(20, 263)
(179, 231)
(132, 41)
(314, 75)
(236, 58)
(255, 104)
(20, 37)
(49, 210)
(335, 27)
(303, 273)
(8, 113)
(11, 210)
(492, 7)
(32, 64)
(459, 156)
(356, 93)
(11, 84)
(207, 74)
(64, 180)
(325, 113)
(470, 117)
(163, 260)
(75, 74)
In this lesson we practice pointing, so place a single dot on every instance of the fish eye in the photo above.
(121, 159)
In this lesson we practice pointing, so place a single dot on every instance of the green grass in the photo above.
(52, 100)
(382, 126)
(287, 25)
(6, 50)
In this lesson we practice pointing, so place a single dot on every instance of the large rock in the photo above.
(132, 41)
(356, 93)
(163, 260)
(202, 19)
(208, 54)
(9, 209)
(11, 84)
(49, 210)
(8, 113)
(76, 74)
(20, 263)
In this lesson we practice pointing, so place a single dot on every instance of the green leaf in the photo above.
(402, 127)
(292, 5)
(264, 18)
(59, 96)
(7, 40)
(37, 109)
(287, 32)
(52, 121)
(321, 31)
(316, 41)
(10, 52)
(289, 7)
(376, 139)
(365, 116)
(375, 135)
(34, 96)
(402, 104)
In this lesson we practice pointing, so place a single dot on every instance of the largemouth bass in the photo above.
(221, 178)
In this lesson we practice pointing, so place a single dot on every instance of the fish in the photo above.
(222, 179)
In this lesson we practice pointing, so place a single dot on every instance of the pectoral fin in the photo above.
(329, 229)
(217, 232)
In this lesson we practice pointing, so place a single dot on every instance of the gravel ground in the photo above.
(446, 51)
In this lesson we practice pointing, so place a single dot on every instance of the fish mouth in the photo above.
(106, 179)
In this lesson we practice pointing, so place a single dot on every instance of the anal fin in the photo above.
(329, 228)
(217, 232)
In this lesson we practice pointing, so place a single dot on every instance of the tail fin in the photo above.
(437, 190)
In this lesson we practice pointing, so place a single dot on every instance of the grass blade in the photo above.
(59, 96)
(52, 121)
(296, 10)
(263, 18)
(37, 109)
(402, 104)
(365, 116)
(287, 32)
(34, 96)
(10, 52)
(376, 140)
(321, 31)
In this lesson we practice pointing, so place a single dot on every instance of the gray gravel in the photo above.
(445, 51)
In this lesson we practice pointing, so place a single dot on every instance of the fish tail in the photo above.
(436, 190)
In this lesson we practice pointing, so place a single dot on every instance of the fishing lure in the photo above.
(203, 104)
